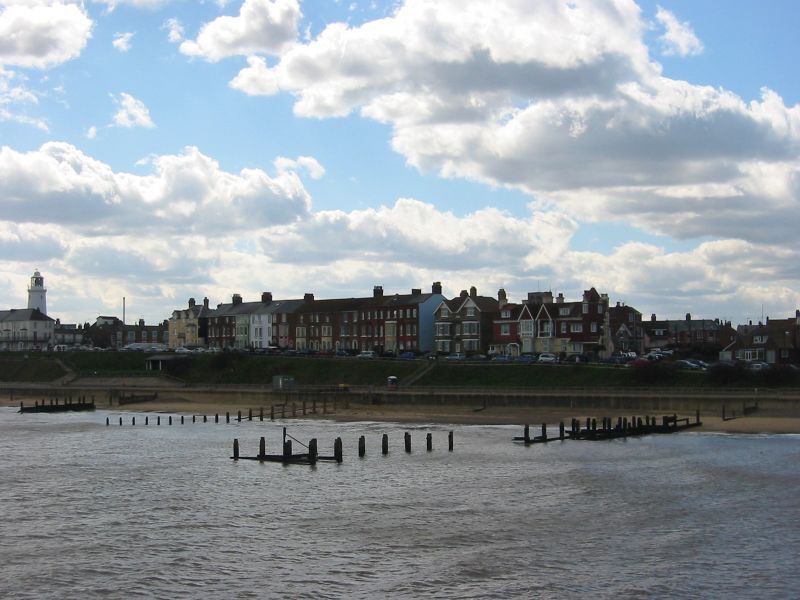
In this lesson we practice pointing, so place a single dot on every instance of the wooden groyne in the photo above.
(311, 456)
(137, 398)
(54, 406)
(610, 430)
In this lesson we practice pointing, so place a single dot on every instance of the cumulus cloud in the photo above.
(14, 97)
(559, 100)
(131, 112)
(678, 38)
(262, 26)
(310, 164)
(42, 34)
(122, 41)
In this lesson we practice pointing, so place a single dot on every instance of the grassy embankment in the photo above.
(258, 369)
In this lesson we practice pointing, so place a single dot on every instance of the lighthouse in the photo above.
(36, 293)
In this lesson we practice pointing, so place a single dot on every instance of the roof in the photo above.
(15, 315)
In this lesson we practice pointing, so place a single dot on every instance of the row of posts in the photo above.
(238, 417)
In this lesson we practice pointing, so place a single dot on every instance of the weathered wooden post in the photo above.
(240, 416)
(450, 441)
(287, 450)
(147, 420)
(429, 442)
(312, 451)
(249, 414)
(235, 449)
(21, 405)
(362, 446)
(108, 422)
(625, 423)
(158, 420)
(697, 416)
(216, 418)
(526, 434)
(639, 422)
(261, 413)
(181, 419)
(408, 441)
(594, 425)
(120, 421)
(337, 449)
(205, 418)
(385, 443)
(227, 417)
(170, 419)
(588, 423)
(544, 432)
(133, 421)
(262, 448)
(561, 430)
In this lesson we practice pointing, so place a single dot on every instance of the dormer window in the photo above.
(506, 314)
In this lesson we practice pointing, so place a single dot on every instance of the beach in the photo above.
(768, 420)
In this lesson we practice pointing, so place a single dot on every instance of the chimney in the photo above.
(560, 298)
(191, 303)
(308, 297)
(416, 291)
(266, 297)
(205, 302)
(653, 317)
(236, 299)
(618, 304)
(141, 322)
(463, 294)
(377, 291)
(688, 316)
(501, 298)
(436, 288)
(473, 292)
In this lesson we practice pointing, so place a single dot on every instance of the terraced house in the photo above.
(464, 324)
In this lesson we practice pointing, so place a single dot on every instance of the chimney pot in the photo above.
(436, 288)
(473, 292)
(191, 303)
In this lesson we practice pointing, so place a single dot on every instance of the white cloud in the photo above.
(14, 97)
(678, 38)
(122, 41)
(175, 28)
(308, 163)
(42, 34)
(262, 26)
(91, 133)
(131, 113)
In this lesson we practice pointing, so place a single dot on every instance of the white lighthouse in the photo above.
(37, 292)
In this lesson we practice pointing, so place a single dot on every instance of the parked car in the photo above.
(546, 357)
(700, 363)
(456, 356)
(526, 359)
(687, 365)
(653, 355)
(407, 356)
(578, 359)
(502, 358)
(756, 366)
(368, 354)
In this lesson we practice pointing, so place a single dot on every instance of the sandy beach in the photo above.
(783, 421)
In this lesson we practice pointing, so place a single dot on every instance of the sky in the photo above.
(159, 150)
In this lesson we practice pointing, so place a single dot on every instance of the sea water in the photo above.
(96, 511)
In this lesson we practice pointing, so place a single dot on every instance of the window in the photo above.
(546, 328)
(506, 314)
(563, 311)
(576, 328)
(327, 331)
(526, 327)
(470, 328)
(630, 317)
(444, 312)
(759, 339)
(585, 308)
(594, 327)
(599, 309)
(470, 311)
(563, 327)
(505, 329)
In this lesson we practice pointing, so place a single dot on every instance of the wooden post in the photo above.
(147, 420)
(205, 418)
(227, 417)
(408, 441)
(120, 421)
(236, 449)
(362, 447)
(697, 416)
(526, 434)
(450, 441)
(337, 449)
(304, 407)
(261, 414)
(108, 422)
(429, 442)
(181, 419)
(561, 430)
(312, 451)
(287, 449)
(158, 420)
(588, 423)
(170, 419)
(240, 416)
(262, 448)
(216, 418)
(133, 421)
(249, 414)
(594, 425)
(193, 419)
(385, 444)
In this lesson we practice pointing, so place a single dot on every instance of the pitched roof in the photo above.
(23, 314)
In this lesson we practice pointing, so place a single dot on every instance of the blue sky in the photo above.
(161, 150)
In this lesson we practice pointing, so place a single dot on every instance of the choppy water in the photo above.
(162, 512)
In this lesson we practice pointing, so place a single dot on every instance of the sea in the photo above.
(158, 511)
